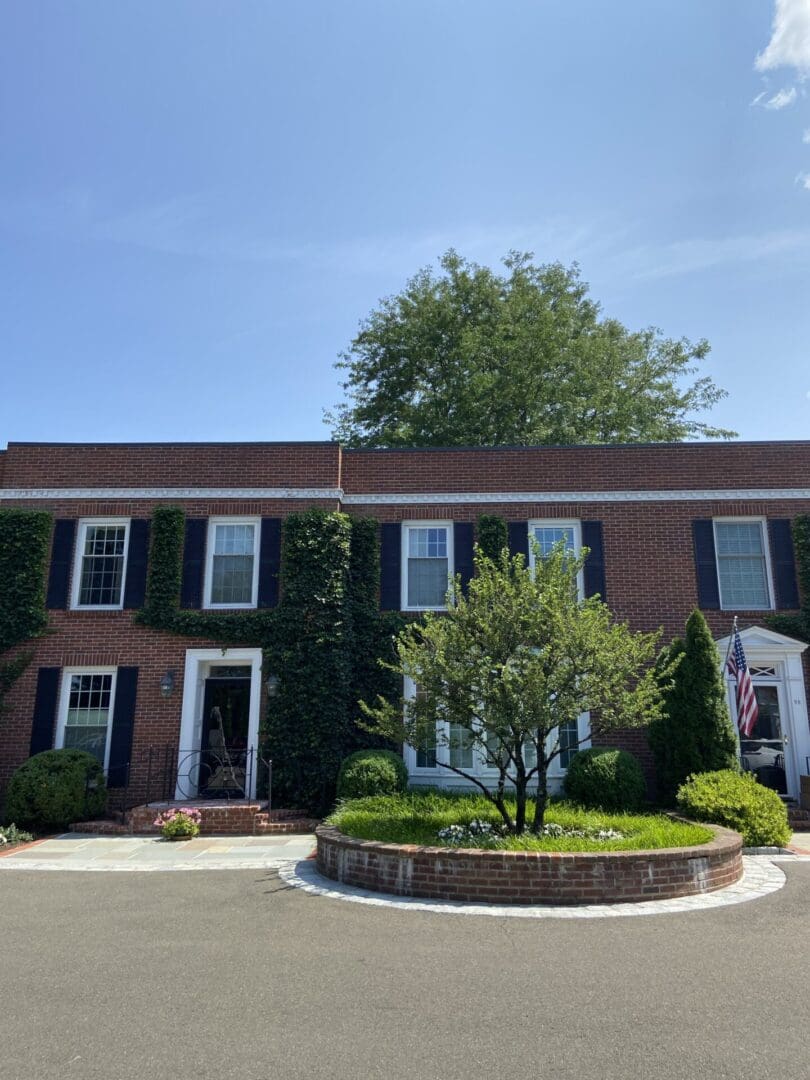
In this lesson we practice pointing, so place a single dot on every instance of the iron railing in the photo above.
(167, 772)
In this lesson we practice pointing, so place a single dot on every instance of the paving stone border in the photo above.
(530, 877)
(760, 878)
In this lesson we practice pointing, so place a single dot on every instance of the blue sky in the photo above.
(200, 201)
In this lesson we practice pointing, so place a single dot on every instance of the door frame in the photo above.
(198, 666)
(766, 648)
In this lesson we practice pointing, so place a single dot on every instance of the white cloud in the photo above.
(804, 179)
(780, 99)
(790, 38)
(806, 135)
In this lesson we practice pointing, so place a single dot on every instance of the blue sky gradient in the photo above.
(200, 201)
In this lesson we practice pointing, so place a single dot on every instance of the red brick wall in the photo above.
(530, 877)
(649, 564)
(579, 468)
(172, 465)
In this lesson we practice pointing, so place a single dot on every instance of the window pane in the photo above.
(232, 566)
(102, 565)
(568, 734)
(88, 714)
(427, 543)
(427, 582)
(741, 564)
(547, 536)
(743, 583)
(739, 538)
(461, 752)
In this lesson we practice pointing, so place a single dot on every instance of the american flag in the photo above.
(747, 708)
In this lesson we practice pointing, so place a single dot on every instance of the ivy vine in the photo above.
(324, 640)
(493, 535)
(798, 626)
(25, 537)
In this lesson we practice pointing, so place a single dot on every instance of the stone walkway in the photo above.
(81, 851)
(760, 878)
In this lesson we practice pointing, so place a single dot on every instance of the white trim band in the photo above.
(171, 493)
(414, 498)
(670, 495)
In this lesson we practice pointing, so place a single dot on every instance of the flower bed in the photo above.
(530, 877)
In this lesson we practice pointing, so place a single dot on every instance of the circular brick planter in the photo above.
(531, 877)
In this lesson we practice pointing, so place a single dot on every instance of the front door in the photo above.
(224, 752)
(763, 753)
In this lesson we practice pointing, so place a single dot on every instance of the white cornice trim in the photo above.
(171, 493)
(433, 498)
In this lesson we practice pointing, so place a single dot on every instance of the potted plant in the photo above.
(179, 823)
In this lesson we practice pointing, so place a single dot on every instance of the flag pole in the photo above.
(730, 643)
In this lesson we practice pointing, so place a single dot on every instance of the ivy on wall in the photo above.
(492, 535)
(25, 536)
(162, 610)
(323, 641)
(798, 626)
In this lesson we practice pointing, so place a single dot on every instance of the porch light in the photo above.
(167, 684)
(272, 685)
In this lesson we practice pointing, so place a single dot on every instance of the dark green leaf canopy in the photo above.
(472, 357)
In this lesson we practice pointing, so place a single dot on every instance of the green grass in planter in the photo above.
(416, 817)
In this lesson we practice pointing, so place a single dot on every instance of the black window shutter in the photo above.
(783, 563)
(137, 558)
(64, 535)
(519, 538)
(463, 552)
(44, 722)
(705, 565)
(126, 687)
(390, 565)
(193, 556)
(269, 562)
(594, 570)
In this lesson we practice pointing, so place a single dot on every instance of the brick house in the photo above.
(669, 527)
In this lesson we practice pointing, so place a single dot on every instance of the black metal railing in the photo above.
(166, 772)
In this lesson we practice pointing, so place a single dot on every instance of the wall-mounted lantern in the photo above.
(272, 685)
(167, 684)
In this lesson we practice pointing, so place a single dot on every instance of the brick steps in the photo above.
(218, 819)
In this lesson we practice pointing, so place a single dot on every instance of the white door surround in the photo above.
(199, 665)
(766, 648)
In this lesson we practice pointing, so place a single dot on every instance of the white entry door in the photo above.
(767, 752)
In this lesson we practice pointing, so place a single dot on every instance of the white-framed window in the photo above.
(100, 564)
(232, 563)
(548, 532)
(743, 564)
(84, 720)
(453, 745)
(427, 564)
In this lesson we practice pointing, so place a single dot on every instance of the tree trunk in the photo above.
(520, 810)
(542, 798)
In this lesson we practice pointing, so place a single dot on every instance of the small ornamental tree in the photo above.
(693, 733)
(509, 664)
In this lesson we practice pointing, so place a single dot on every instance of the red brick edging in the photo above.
(531, 877)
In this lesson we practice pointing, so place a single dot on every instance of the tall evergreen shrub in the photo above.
(694, 733)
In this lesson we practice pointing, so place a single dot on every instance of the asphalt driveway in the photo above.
(235, 975)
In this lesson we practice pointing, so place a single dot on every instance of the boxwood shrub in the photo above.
(55, 788)
(738, 801)
(371, 772)
(605, 779)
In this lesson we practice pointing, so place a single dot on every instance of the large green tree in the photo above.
(472, 357)
(508, 666)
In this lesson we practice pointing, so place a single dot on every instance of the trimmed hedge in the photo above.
(605, 779)
(371, 772)
(55, 788)
(738, 801)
